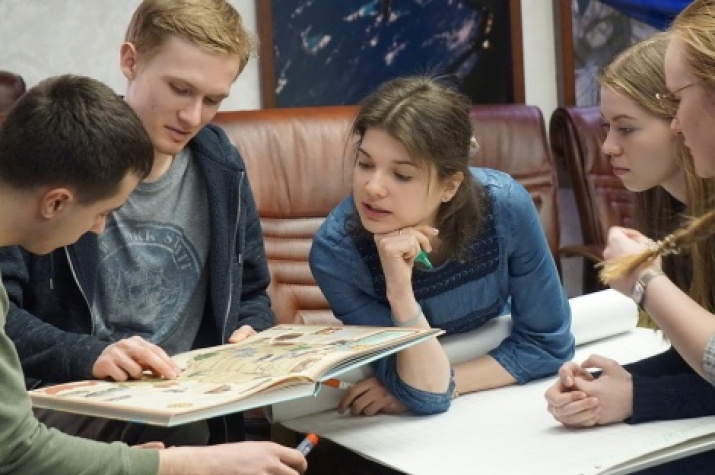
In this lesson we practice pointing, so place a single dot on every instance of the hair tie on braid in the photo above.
(473, 146)
(667, 246)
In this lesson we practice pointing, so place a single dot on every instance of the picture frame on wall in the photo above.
(590, 33)
(323, 52)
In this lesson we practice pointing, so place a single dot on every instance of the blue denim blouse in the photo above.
(509, 268)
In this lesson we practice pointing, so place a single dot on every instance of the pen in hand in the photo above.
(423, 259)
(305, 446)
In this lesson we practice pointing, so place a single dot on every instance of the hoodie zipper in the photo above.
(81, 290)
(240, 259)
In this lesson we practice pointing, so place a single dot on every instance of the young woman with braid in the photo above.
(690, 77)
(655, 165)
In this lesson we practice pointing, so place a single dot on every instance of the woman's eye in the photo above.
(402, 177)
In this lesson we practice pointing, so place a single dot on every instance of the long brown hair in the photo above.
(432, 121)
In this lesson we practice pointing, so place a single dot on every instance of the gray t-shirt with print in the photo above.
(152, 277)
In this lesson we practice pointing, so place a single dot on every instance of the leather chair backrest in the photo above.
(299, 169)
(602, 201)
(512, 138)
(576, 136)
(299, 166)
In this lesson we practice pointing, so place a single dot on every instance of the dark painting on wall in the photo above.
(599, 33)
(328, 52)
(592, 33)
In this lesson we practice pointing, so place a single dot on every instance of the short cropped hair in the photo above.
(75, 132)
(213, 25)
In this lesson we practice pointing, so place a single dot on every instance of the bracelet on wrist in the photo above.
(409, 322)
(453, 382)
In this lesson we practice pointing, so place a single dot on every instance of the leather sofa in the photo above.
(299, 165)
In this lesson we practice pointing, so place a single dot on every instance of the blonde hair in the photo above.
(638, 74)
(695, 231)
(213, 25)
(695, 26)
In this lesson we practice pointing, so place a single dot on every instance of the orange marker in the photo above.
(337, 384)
(310, 441)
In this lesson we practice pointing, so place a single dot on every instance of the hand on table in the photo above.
(567, 404)
(578, 400)
(370, 397)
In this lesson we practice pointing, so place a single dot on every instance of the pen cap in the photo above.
(423, 259)
(312, 438)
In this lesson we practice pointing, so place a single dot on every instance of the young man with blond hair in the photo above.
(182, 264)
(71, 152)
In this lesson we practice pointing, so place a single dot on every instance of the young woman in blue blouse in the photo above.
(413, 190)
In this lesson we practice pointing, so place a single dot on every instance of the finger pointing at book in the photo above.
(241, 334)
(130, 357)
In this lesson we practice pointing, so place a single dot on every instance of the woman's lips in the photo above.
(373, 211)
(620, 171)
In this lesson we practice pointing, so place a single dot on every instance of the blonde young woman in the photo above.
(634, 261)
(653, 163)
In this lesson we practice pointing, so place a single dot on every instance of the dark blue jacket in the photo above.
(50, 320)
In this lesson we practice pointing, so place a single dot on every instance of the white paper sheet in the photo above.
(594, 316)
(508, 430)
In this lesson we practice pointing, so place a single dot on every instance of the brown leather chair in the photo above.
(512, 138)
(601, 199)
(299, 166)
(12, 87)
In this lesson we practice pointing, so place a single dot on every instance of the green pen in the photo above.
(423, 259)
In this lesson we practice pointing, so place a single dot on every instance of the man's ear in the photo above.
(128, 59)
(54, 201)
(451, 186)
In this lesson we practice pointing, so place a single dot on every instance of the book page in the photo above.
(508, 430)
(281, 356)
(594, 316)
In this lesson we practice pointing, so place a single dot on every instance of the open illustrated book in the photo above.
(508, 430)
(279, 364)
